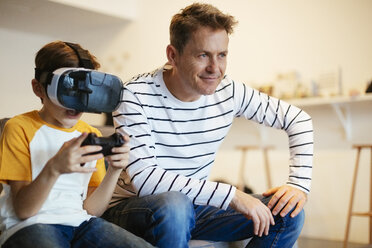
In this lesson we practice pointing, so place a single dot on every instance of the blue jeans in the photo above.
(93, 233)
(171, 220)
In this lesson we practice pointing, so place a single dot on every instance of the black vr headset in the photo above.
(82, 89)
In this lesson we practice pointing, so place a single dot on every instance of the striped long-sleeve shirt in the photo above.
(174, 144)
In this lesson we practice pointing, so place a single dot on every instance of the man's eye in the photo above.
(203, 55)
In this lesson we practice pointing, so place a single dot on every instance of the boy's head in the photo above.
(50, 57)
(195, 16)
(58, 54)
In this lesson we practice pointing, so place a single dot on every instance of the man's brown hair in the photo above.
(194, 17)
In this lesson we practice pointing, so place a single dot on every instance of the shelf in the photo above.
(340, 104)
(316, 101)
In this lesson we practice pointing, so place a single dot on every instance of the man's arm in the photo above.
(272, 112)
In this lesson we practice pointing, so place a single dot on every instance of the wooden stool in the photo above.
(350, 212)
(244, 150)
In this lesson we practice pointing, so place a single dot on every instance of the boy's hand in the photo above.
(70, 156)
(119, 158)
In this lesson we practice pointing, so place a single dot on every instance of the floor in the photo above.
(312, 243)
(301, 243)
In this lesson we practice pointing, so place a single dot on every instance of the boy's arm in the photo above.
(97, 201)
(28, 197)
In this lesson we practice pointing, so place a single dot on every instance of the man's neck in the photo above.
(176, 87)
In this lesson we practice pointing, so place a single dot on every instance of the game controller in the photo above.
(107, 143)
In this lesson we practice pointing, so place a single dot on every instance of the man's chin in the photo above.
(210, 90)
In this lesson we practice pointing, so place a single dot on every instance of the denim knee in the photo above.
(174, 206)
(172, 220)
(299, 221)
(295, 224)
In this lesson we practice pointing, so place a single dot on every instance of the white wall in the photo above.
(309, 37)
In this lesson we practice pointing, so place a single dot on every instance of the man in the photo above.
(177, 116)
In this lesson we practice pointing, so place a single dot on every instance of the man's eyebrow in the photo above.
(208, 52)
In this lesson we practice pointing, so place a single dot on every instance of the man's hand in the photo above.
(255, 210)
(285, 198)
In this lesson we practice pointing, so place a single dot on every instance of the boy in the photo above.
(47, 201)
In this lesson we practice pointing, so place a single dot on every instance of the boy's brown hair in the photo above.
(58, 54)
(194, 17)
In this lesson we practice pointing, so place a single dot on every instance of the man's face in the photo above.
(202, 64)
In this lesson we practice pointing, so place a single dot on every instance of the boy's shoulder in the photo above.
(22, 119)
(20, 129)
(82, 126)
(27, 115)
(32, 121)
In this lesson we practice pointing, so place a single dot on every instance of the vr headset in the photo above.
(82, 89)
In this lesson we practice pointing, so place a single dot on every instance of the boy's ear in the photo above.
(38, 88)
(171, 55)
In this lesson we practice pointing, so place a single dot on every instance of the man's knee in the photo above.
(294, 224)
(174, 205)
(298, 221)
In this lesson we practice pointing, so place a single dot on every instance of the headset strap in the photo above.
(44, 77)
(84, 59)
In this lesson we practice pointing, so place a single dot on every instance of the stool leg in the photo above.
(241, 181)
(351, 199)
(267, 168)
(370, 201)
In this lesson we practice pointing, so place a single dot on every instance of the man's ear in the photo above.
(172, 54)
(38, 88)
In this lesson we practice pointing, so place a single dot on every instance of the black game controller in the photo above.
(107, 143)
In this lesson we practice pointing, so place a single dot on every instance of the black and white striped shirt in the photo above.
(174, 144)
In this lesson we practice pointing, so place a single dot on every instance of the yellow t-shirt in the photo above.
(27, 143)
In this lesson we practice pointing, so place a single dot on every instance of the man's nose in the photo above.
(212, 65)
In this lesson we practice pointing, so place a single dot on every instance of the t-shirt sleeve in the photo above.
(99, 174)
(273, 112)
(15, 161)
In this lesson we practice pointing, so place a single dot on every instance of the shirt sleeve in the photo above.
(15, 161)
(272, 112)
(99, 174)
(143, 175)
